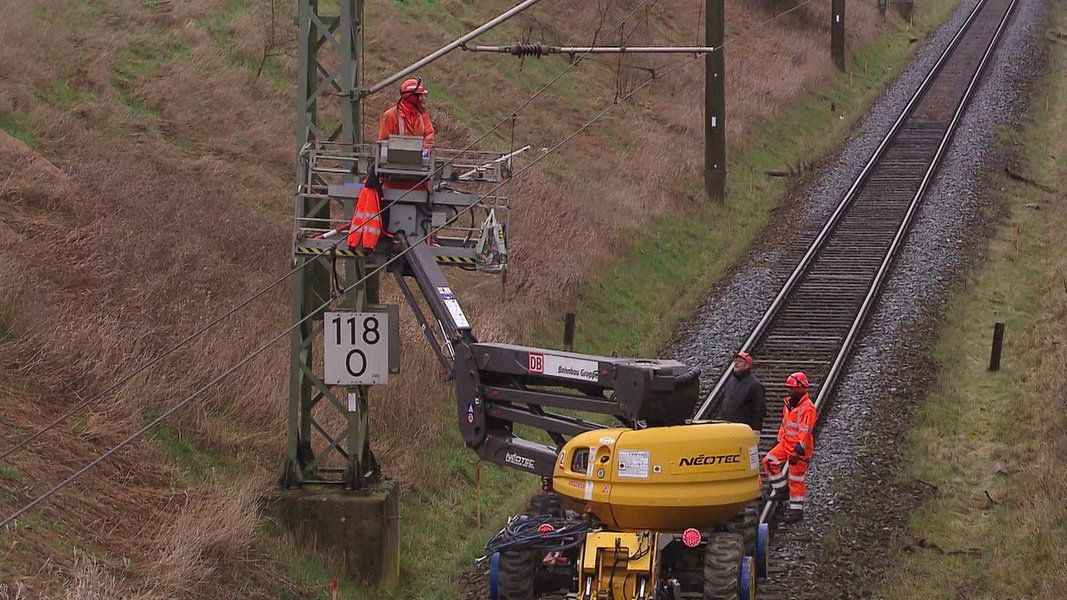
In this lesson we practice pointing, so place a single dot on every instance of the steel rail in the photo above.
(883, 271)
(713, 400)
(895, 246)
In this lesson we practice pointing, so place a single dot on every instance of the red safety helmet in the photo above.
(745, 356)
(412, 86)
(797, 380)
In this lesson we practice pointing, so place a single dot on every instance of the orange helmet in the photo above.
(412, 86)
(745, 356)
(797, 380)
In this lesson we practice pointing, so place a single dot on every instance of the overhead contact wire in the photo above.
(123, 381)
(510, 117)
(361, 281)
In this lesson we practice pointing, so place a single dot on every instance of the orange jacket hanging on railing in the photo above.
(366, 220)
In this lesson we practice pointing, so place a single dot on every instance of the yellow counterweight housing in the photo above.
(661, 478)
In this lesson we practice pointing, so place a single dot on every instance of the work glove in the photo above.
(799, 449)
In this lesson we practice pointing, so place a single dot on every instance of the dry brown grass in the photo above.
(128, 227)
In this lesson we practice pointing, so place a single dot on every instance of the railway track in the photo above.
(814, 321)
(816, 318)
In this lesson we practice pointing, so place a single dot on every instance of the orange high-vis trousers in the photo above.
(773, 465)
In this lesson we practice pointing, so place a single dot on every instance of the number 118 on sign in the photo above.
(356, 348)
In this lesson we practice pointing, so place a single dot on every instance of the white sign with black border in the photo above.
(356, 348)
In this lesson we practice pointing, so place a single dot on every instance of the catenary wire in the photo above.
(359, 282)
(118, 384)
(124, 380)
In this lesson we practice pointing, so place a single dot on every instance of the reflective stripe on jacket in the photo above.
(798, 425)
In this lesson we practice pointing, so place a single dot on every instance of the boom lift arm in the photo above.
(659, 489)
(499, 386)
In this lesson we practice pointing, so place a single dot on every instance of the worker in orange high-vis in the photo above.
(408, 116)
(793, 452)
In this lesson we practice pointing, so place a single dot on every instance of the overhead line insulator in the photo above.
(537, 50)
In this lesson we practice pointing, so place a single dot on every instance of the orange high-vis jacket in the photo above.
(366, 220)
(798, 426)
(393, 123)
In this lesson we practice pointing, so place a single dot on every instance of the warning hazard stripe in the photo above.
(451, 260)
(337, 251)
(454, 260)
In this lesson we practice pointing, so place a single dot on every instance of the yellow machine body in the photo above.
(661, 478)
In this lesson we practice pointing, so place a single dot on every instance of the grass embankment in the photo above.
(634, 306)
(993, 442)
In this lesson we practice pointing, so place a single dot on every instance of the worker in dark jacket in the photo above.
(743, 397)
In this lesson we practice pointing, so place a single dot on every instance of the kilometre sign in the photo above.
(356, 348)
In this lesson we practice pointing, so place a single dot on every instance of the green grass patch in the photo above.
(139, 62)
(197, 465)
(302, 568)
(6, 333)
(60, 93)
(9, 473)
(18, 125)
(218, 25)
(268, 63)
(445, 19)
(992, 441)
(438, 537)
(635, 307)
(272, 69)
(22, 534)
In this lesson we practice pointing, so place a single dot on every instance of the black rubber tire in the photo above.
(746, 524)
(722, 566)
(545, 504)
(515, 575)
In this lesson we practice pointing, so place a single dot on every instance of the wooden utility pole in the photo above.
(837, 34)
(715, 102)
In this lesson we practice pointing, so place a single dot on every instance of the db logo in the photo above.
(537, 363)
